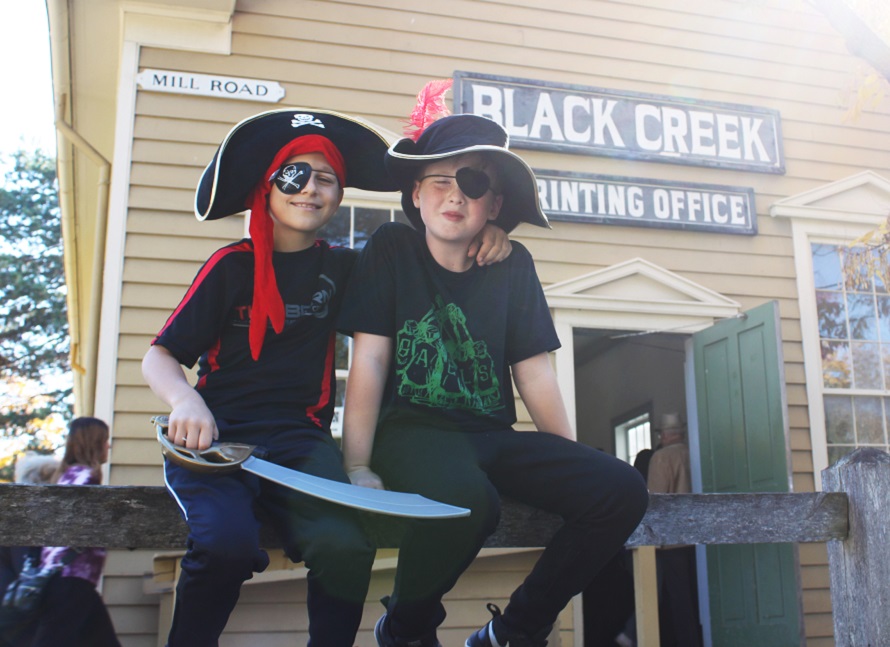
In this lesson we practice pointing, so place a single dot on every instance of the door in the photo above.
(754, 590)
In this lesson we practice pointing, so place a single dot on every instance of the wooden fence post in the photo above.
(860, 564)
(646, 596)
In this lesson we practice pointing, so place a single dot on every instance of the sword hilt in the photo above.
(219, 458)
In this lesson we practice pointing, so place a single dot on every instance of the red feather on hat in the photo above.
(430, 107)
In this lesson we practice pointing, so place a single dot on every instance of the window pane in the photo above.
(869, 420)
(861, 311)
(839, 419)
(832, 315)
(341, 353)
(366, 223)
(885, 354)
(336, 232)
(837, 452)
(867, 366)
(854, 331)
(826, 267)
(337, 421)
(341, 393)
(836, 367)
(400, 216)
(859, 275)
(879, 284)
(883, 304)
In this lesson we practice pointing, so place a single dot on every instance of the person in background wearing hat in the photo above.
(259, 321)
(429, 398)
(677, 588)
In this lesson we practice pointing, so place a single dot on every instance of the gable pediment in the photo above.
(864, 197)
(638, 285)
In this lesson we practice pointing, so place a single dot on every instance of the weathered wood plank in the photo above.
(860, 565)
(147, 517)
(760, 518)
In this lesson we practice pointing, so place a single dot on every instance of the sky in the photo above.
(26, 111)
(26, 108)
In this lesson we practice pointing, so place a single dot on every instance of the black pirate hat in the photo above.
(240, 174)
(252, 144)
(457, 135)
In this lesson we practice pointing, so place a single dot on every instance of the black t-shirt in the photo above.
(294, 378)
(455, 334)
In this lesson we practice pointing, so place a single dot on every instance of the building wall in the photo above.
(370, 57)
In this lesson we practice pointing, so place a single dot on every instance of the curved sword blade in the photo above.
(398, 504)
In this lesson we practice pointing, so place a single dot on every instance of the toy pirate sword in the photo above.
(229, 457)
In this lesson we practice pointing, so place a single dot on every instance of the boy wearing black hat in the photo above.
(270, 388)
(430, 407)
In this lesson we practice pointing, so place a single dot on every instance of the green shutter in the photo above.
(754, 590)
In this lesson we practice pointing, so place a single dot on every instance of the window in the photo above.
(632, 434)
(351, 226)
(854, 337)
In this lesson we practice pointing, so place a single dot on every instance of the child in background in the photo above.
(259, 320)
(429, 403)
(73, 613)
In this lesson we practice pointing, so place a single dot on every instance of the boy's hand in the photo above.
(192, 425)
(364, 477)
(490, 246)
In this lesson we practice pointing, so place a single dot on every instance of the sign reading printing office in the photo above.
(641, 202)
(593, 121)
(210, 85)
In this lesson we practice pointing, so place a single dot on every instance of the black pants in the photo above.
(223, 545)
(600, 498)
(74, 615)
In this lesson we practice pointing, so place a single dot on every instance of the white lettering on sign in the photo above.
(594, 121)
(637, 201)
(210, 85)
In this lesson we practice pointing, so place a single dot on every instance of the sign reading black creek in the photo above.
(594, 121)
(647, 203)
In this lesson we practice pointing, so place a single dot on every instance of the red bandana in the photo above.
(267, 304)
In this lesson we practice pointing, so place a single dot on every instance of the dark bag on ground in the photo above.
(25, 593)
(23, 598)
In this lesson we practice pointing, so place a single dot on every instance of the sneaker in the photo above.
(495, 634)
(623, 640)
(386, 639)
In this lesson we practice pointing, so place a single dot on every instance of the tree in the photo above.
(865, 24)
(34, 362)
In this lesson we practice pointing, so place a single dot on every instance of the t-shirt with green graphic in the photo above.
(455, 334)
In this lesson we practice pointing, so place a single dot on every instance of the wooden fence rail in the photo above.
(850, 514)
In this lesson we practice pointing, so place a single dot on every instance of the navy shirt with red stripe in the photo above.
(294, 378)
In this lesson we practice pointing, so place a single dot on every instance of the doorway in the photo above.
(621, 378)
(622, 371)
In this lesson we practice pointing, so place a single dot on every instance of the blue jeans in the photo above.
(600, 498)
(223, 544)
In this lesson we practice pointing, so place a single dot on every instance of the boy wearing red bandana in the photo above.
(259, 321)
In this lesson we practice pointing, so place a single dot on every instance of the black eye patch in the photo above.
(472, 183)
(291, 178)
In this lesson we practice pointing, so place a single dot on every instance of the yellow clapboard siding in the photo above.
(369, 57)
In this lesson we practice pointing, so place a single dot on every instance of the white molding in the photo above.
(840, 187)
(202, 29)
(683, 307)
(115, 234)
(862, 198)
(178, 27)
(868, 196)
(679, 302)
(565, 369)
